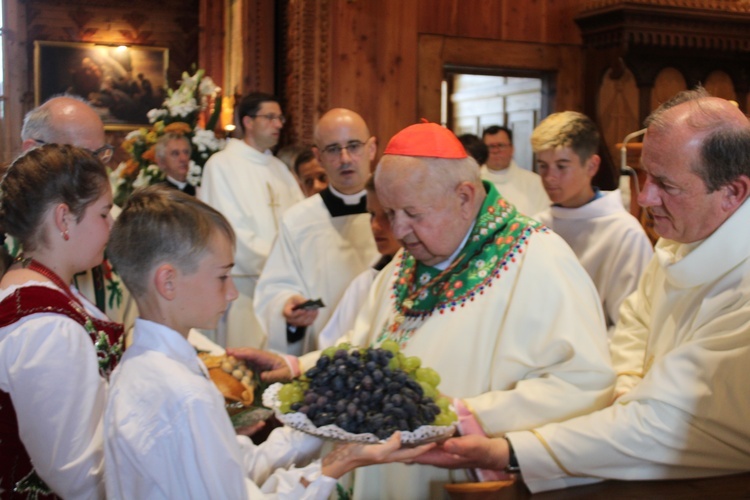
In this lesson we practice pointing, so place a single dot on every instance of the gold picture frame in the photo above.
(121, 82)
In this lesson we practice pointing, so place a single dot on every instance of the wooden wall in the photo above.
(387, 57)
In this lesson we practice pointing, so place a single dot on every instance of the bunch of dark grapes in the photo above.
(366, 391)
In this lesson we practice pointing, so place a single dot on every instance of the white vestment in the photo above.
(316, 255)
(610, 244)
(168, 434)
(521, 187)
(252, 190)
(342, 320)
(682, 351)
(525, 345)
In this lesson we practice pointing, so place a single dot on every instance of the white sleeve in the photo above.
(343, 317)
(680, 422)
(628, 345)
(282, 277)
(59, 399)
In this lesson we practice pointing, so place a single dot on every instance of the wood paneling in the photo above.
(546, 21)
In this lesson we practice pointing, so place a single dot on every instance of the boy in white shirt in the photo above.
(609, 242)
(167, 433)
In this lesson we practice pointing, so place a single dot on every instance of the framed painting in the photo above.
(122, 83)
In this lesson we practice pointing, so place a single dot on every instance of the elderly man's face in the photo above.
(176, 161)
(677, 198)
(426, 216)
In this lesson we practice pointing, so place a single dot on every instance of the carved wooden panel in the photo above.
(617, 108)
(667, 83)
(720, 84)
(306, 67)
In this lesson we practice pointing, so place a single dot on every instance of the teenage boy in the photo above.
(167, 433)
(609, 242)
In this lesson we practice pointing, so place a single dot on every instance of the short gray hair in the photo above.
(38, 124)
(160, 149)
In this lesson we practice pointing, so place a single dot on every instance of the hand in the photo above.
(273, 367)
(300, 317)
(468, 452)
(347, 457)
(249, 430)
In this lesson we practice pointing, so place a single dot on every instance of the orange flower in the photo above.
(177, 128)
(149, 154)
(131, 168)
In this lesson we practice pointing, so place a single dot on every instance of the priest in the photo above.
(489, 298)
(324, 242)
(252, 188)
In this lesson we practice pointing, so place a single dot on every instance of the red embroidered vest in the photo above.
(17, 477)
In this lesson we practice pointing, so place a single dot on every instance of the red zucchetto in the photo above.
(426, 139)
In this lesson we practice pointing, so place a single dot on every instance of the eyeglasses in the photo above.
(103, 154)
(271, 117)
(333, 152)
(498, 147)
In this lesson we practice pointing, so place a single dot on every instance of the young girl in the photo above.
(56, 349)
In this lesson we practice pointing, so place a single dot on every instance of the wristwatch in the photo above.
(512, 467)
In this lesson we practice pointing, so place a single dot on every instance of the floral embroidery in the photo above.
(498, 237)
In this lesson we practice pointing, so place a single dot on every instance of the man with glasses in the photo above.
(324, 242)
(521, 187)
(69, 119)
(252, 188)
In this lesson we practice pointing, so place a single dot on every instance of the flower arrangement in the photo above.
(191, 110)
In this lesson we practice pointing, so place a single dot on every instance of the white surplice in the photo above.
(168, 434)
(530, 348)
(681, 350)
(343, 317)
(50, 368)
(610, 244)
(252, 190)
(521, 187)
(316, 256)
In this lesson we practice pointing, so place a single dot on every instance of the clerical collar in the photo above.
(348, 199)
(339, 204)
(447, 262)
(180, 185)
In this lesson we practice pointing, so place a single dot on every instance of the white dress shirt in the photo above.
(169, 435)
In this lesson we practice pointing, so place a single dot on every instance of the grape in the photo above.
(410, 364)
(390, 345)
(428, 375)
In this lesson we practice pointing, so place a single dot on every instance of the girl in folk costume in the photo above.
(56, 348)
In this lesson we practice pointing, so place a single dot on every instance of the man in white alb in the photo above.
(324, 242)
(252, 189)
(521, 187)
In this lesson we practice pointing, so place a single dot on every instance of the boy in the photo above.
(167, 433)
(609, 242)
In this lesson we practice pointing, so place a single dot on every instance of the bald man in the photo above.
(324, 242)
(68, 119)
